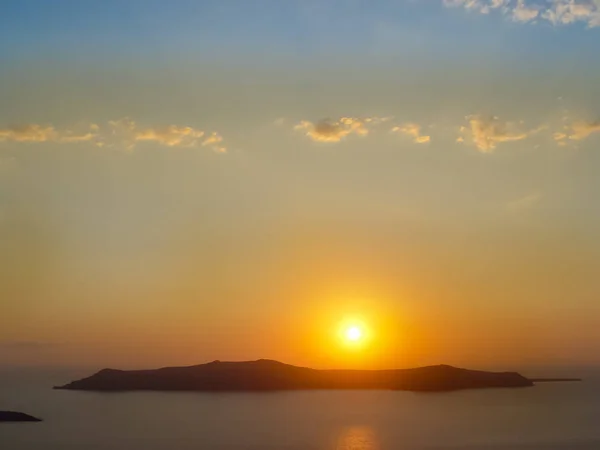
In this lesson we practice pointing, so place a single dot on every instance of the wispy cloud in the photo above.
(486, 133)
(124, 132)
(581, 130)
(414, 131)
(523, 203)
(576, 131)
(556, 12)
(214, 140)
(171, 135)
(71, 136)
(28, 133)
(33, 132)
(480, 6)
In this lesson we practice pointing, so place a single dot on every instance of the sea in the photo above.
(549, 416)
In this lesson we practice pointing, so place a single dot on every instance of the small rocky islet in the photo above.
(14, 416)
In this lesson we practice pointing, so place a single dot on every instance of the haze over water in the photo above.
(553, 416)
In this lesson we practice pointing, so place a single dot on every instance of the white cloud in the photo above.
(480, 6)
(556, 12)
(524, 13)
(569, 11)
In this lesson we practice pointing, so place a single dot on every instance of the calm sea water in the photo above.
(552, 416)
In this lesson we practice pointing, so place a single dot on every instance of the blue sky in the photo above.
(330, 29)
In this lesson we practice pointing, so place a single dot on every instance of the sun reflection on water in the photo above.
(357, 438)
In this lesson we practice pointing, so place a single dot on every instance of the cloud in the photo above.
(129, 133)
(70, 136)
(484, 132)
(564, 12)
(577, 131)
(171, 135)
(46, 133)
(560, 138)
(213, 140)
(123, 124)
(28, 133)
(122, 132)
(327, 130)
(581, 130)
(524, 13)
(413, 130)
(487, 132)
(481, 6)
(334, 130)
(556, 12)
(523, 203)
(77, 137)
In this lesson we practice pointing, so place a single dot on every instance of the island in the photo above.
(268, 375)
(13, 416)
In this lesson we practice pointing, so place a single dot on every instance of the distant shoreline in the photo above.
(554, 380)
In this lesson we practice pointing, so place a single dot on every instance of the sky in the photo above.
(187, 181)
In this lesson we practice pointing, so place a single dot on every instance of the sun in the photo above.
(354, 333)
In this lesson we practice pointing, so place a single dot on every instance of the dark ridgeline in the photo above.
(267, 375)
(12, 416)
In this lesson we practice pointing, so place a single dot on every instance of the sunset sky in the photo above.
(230, 179)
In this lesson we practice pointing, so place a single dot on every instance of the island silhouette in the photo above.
(14, 416)
(269, 375)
